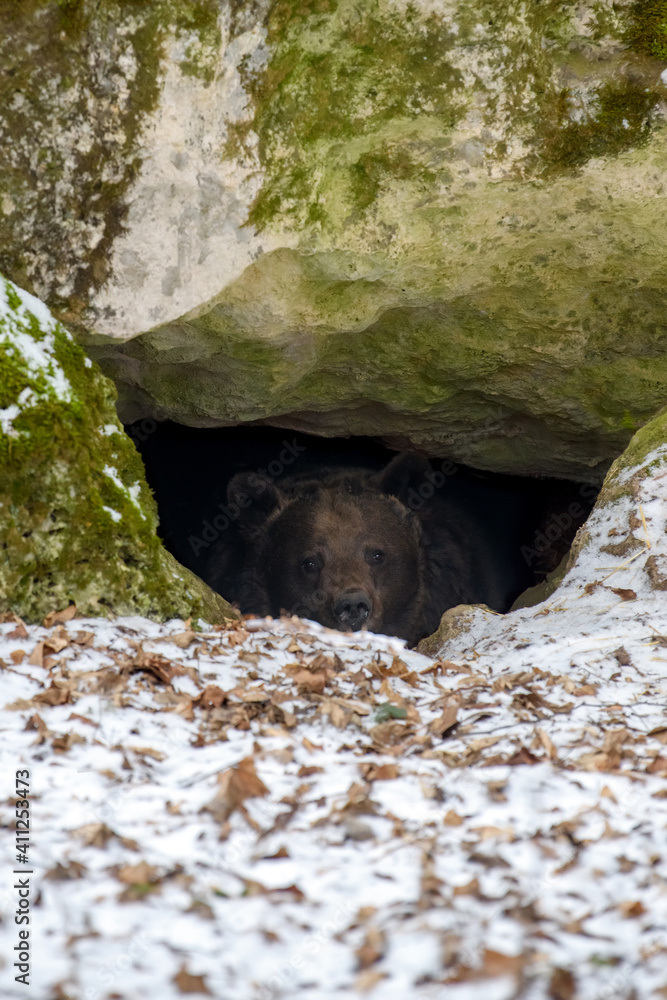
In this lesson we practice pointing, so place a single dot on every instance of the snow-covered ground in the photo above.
(226, 812)
(274, 810)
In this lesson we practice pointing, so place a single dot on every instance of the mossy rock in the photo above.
(77, 520)
(442, 224)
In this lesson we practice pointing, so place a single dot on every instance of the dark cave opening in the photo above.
(521, 527)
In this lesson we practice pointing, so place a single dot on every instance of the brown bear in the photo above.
(346, 548)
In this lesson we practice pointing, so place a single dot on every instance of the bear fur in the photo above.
(344, 547)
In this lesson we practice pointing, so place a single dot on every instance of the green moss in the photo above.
(341, 73)
(648, 29)
(58, 543)
(618, 120)
(651, 436)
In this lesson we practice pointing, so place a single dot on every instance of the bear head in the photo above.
(343, 549)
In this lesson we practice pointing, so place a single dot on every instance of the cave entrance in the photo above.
(524, 526)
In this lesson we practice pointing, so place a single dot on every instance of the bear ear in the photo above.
(256, 498)
(404, 473)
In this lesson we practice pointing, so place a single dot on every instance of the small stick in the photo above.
(648, 541)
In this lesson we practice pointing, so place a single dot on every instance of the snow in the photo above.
(37, 354)
(133, 492)
(220, 811)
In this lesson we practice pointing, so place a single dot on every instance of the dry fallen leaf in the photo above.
(58, 641)
(380, 772)
(60, 617)
(308, 681)
(55, 694)
(37, 655)
(632, 909)
(470, 889)
(372, 949)
(236, 785)
(658, 766)
(182, 639)
(624, 594)
(523, 756)
(446, 721)
(138, 874)
(187, 983)
(20, 632)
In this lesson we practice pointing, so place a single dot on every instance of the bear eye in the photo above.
(377, 557)
(309, 565)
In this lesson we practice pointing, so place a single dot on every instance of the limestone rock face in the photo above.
(77, 520)
(443, 224)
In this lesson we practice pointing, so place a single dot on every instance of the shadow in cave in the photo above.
(523, 526)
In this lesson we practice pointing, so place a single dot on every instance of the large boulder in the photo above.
(441, 224)
(77, 520)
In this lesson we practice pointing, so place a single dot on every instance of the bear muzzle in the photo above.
(352, 610)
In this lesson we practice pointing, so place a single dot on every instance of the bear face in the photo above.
(341, 549)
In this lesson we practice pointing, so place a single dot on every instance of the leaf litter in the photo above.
(276, 810)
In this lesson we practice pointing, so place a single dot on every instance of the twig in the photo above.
(648, 541)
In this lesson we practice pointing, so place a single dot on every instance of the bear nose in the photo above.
(352, 610)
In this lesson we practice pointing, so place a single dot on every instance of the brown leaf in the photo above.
(446, 721)
(523, 756)
(17, 656)
(548, 744)
(382, 772)
(658, 766)
(60, 617)
(211, 697)
(82, 718)
(562, 985)
(138, 874)
(585, 689)
(64, 873)
(159, 666)
(94, 834)
(187, 983)
(311, 681)
(470, 889)
(35, 722)
(368, 980)
(182, 639)
(58, 641)
(54, 695)
(632, 909)
(61, 744)
(372, 948)
(84, 639)
(497, 964)
(20, 632)
(309, 746)
(148, 752)
(452, 818)
(624, 594)
(37, 655)
(237, 636)
(236, 785)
